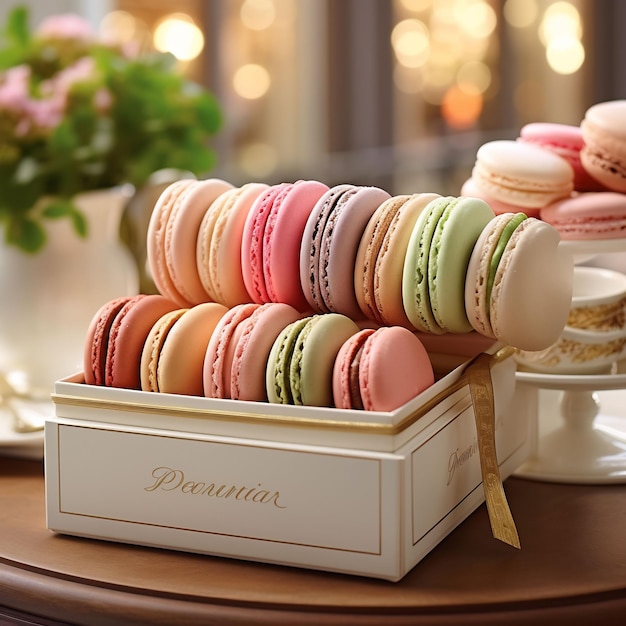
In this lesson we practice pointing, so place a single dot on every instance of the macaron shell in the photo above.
(394, 368)
(312, 261)
(339, 249)
(152, 349)
(346, 385)
(600, 215)
(182, 234)
(390, 261)
(471, 190)
(367, 255)
(453, 241)
(277, 383)
(156, 235)
(224, 252)
(252, 346)
(415, 289)
(128, 335)
(252, 243)
(282, 238)
(522, 174)
(565, 141)
(478, 269)
(604, 153)
(529, 306)
(311, 366)
(97, 340)
(181, 361)
(216, 364)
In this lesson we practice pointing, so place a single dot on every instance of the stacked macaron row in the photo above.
(572, 177)
(356, 251)
(254, 352)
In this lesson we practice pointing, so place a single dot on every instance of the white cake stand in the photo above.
(580, 441)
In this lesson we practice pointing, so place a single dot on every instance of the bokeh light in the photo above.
(119, 26)
(416, 6)
(461, 109)
(178, 34)
(520, 13)
(410, 41)
(477, 18)
(560, 19)
(257, 14)
(474, 76)
(565, 55)
(251, 81)
(560, 32)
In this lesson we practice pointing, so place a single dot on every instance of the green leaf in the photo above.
(26, 234)
(58, 208)
(208, 112)
(65, 208)
(79, 222)
(16, 29)
(63, 139)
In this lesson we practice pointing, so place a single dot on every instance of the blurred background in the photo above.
(394, 93)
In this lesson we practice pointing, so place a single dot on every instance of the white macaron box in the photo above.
(356, 492)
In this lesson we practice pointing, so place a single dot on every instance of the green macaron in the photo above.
(300, 363)
(441, 243)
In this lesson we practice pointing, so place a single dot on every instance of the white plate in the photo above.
(29, 444)
(582, 382)
(585, 249)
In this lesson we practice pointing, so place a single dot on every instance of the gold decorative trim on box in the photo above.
(285, 420)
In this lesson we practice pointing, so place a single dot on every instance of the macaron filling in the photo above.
(295, 362)
(351, 376)
(503, 240)
(279, 378)
(322, 233)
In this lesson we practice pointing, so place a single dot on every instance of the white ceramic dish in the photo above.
(581, 427)
(584, 250)
(14, 444)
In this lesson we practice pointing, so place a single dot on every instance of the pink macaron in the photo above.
(380, 370)
(272, 234)
(236, 356)
(604, 152)
(591, 215)
(565, 141)
(116, 336)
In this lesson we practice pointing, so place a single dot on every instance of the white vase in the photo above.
(47, 299)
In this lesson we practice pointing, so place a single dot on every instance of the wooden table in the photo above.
(571, 570)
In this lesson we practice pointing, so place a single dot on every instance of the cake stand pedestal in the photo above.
(580, 439)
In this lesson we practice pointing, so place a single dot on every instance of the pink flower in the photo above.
(47, 113)
(14, 89)
(60, 84)
(65, 26)
(22, 127)
(130, 49)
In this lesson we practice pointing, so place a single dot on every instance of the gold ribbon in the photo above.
(481, 389)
